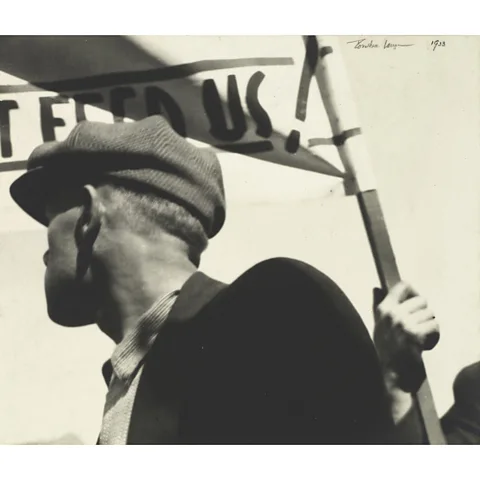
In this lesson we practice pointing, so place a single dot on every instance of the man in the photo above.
(278, 356)
(405, 327)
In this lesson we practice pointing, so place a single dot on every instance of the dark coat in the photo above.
(280, 356)
(461, 424)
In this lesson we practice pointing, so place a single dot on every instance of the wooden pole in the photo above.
(332, 81)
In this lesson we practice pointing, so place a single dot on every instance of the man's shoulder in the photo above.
(282, 273)
(284, 279)
(461, 423)
(284, 266)
(286, 282)
(284, 292)
(467, 385)
(285, 320)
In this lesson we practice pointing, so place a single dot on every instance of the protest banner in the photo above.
(253, 98)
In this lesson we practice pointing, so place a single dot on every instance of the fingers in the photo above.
(402, 300)
(411, 316)
(404, 314)
(426, 335)
(412, 311)
(404, 327)
(394, 297)
(401, 292)
(413, 305)
(407, 316)
(420, 329)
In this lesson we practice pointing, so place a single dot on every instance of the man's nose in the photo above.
(45, 257)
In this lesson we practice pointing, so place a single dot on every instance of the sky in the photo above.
(419, 111)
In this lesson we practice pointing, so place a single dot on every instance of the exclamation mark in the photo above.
(308, 71)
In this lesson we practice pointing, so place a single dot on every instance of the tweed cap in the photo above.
(146, 155)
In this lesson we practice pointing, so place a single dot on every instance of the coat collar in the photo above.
(197, 292)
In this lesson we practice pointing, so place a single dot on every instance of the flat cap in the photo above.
(147, 154)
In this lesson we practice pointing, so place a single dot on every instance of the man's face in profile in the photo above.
(69, 293)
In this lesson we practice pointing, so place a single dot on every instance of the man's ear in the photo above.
(90, 221)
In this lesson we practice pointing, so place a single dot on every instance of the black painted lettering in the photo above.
(48, 121)
(117, 102)
(83, 99)
(292, 142)
(258, 113)
(5, 140)
(212, 104)
(160, 102)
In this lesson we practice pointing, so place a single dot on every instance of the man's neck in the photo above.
(134, 285)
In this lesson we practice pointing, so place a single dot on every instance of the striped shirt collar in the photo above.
(130, 352)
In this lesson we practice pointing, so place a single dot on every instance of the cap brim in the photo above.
(30, 192)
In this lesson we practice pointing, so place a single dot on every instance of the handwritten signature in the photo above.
(362, 43)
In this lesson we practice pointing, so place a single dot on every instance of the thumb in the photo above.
(378, 296)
